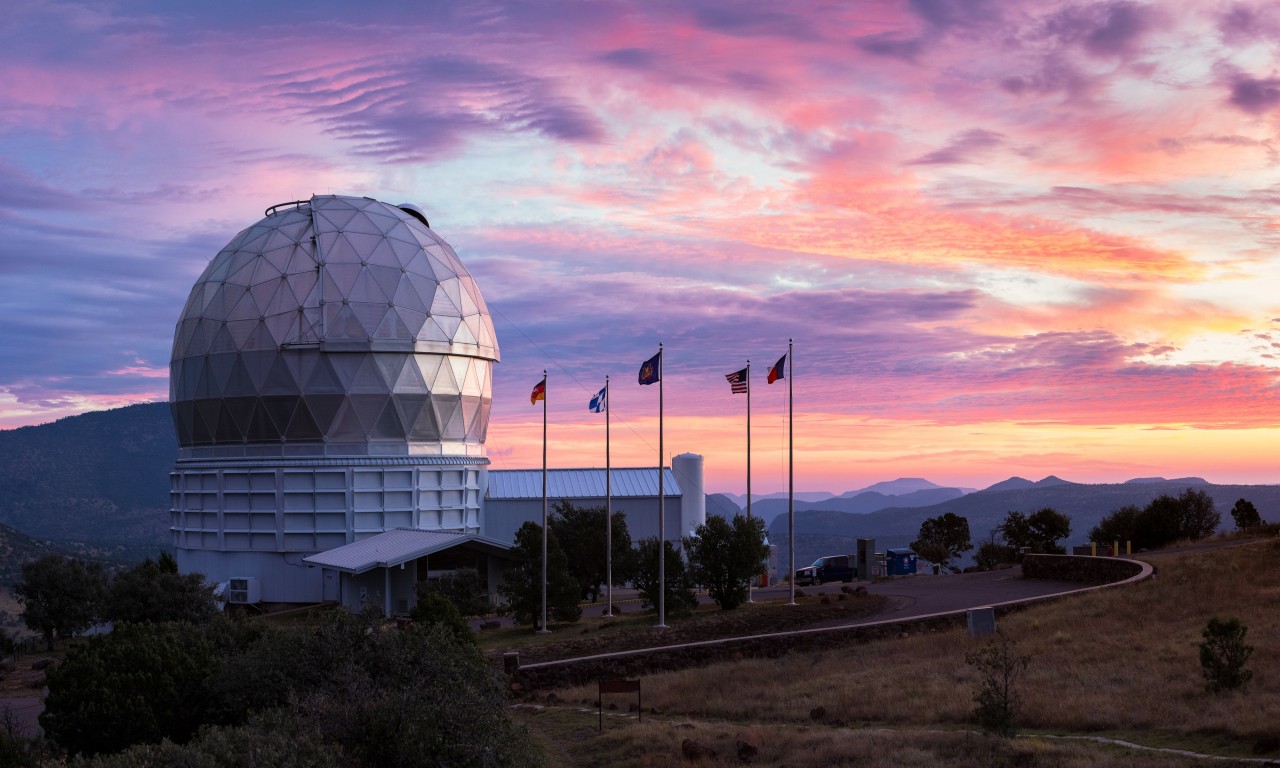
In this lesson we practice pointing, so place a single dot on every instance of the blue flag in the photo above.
(600, 402)
(651, 371)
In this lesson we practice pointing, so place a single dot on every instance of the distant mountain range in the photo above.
(822, 532)
(900, 487)
(98, 485)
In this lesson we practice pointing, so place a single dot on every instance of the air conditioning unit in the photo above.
(244, 590)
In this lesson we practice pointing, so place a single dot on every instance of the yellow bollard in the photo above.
(1093, 549)
(1128, 548)
(1115, 549)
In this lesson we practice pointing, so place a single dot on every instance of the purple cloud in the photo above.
(1255, 96)
(745, 21)
(945, 14)
(963, 148)
(892, 45)
(1242, 24)
(418, 109)
(1103, 29)
(630, 58)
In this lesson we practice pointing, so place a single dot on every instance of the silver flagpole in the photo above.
(752, 578)
(662, 509)
(545, 629)
(608, 507)
(791, 471)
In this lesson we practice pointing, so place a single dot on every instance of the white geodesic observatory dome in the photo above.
(330, 380)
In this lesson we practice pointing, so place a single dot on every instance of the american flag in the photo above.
(737, 381)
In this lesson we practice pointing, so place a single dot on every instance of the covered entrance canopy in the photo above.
(395, 555)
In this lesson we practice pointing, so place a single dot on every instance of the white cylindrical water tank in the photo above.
(687, 467)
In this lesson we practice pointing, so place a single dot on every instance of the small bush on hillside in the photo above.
(724, 556)
(999, 703)
(1189, 516)
(523, 585)
(680, 598)
(465, 590)
(140, 683)
(1223, 654)
(1246, 515)
(153, 590)
(992, 555)
(434, 608)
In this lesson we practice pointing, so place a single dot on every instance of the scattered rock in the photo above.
(7, 665)
(817, 713)
(43, 663)
(517, 688)
(613, 705)
(746, 751)
(860, 591)
(696, 750)
(552, 698)
(846, 589)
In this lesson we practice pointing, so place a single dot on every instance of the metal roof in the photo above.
(400, 545)
(579, 483)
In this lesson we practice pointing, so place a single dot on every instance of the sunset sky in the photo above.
(1008, 238)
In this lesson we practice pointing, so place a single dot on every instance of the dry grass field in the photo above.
(1120, 664)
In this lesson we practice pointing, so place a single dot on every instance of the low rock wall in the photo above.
(630, 664)
(569, 672)
(1090, 570)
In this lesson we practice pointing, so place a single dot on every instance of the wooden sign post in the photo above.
(618, 686)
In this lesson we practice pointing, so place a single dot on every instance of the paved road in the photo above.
(910, 596)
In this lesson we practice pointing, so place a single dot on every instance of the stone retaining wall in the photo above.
(589, 669)
(569, 672)
(1091, 570)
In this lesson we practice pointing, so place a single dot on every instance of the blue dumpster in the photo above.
(900, 561)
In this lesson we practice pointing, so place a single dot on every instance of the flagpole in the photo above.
(608, 507)
(752, 578)
(662, 509)
(791, 470)
(544, 629)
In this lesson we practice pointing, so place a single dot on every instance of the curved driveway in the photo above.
(924, 595)
(913, 596)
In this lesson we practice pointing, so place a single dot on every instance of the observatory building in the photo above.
(330, 383)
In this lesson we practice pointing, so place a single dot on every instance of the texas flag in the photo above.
(778, 371)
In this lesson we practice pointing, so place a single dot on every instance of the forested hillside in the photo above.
(97, 483)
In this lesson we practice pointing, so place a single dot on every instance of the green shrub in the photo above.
(999, 703)
(1223, 654)
(139, 684)
(434, 608)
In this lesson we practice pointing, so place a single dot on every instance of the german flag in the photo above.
(539, 392)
